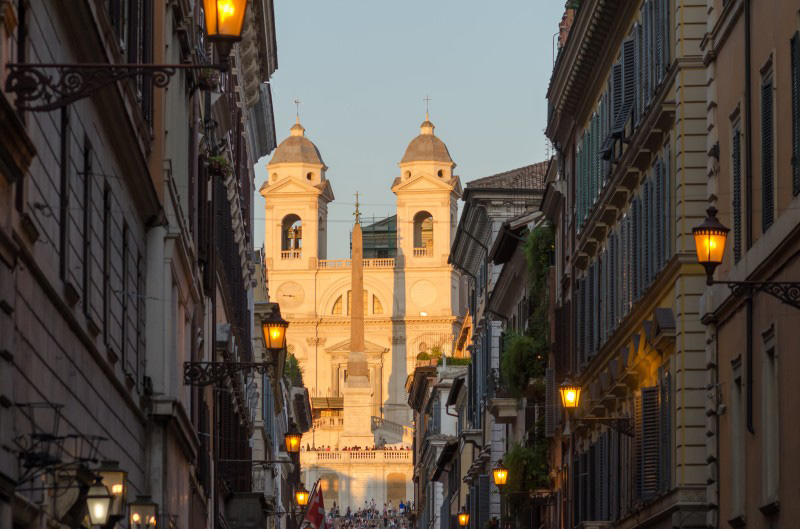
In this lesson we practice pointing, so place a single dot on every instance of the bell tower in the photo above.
(427, 200)
(296, 196)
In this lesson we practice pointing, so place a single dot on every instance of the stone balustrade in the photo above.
(355, 456)
(336, 264)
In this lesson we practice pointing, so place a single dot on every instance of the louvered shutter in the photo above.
(636, 261)
(637, 74)
(659, 38)
(649, 463)
(767, 157)
(483, 500)
(550, 402)
(795, 45)
(658, 215)
(613, 475)
(590, 313)
(628, 88)
(647, 233)
(612, 284)
(559, 345)
(667, 183)
(646, 54)
(637, 454)
(576, 491)
(736, 162)
(665, 436)
(623, 265)
(603, 273)
(591, 483)
(584, 487)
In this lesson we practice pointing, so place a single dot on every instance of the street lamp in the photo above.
(570, 394)
(292, 439)
(709, 241)
(273, 330)
(500, 474)
(143, 513)
(113, 478)
(36, 89)
(224, 20)
(98, 500)
(301, 496)
(463, 516)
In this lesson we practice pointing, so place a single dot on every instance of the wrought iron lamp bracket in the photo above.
(623, 425)
(207, 373)
(787, 292)
(37, 90)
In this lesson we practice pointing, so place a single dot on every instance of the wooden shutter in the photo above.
(659, 39)
(612, 283)
(736, 173)
(560, 345)
(638, 446)
(649, 463)
(576, 490)
(647, 86)
(767, 157)
(590, 312)
(628, 93)
(795, 45)
(646, 235)
(551, 401)
(665, 431)
(583, 492)
(667, 183)
(637, 74)
(614, 477)
(483, 500)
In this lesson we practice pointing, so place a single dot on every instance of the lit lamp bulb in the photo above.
(570, 394)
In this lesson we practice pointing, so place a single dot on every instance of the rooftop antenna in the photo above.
(427, 101)
(297, 112)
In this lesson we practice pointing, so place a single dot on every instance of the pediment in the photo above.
(423, 182)
(326, 189)
(291, 186)
(344, 347)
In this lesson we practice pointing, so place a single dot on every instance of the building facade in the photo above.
(409, 302)
(753, 178)
(488, 203)
(125, 244)
(627, 117)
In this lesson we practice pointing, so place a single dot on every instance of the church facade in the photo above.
(410, 296)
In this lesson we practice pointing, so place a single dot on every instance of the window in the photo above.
(337, 307)
(769, 431)
(795, 44)
(291, 233)
(423, 230)
(377, 308)
(65, 193)
(736, 189)
(736, 422)
(106, 261)
(767, 155)
(88, 209)
(309, 176)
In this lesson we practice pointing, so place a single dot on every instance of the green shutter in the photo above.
(767, 157)
(649, 456)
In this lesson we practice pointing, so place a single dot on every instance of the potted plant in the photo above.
(208, 79)
(219, 166)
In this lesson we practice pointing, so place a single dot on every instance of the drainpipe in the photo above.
(748, 125)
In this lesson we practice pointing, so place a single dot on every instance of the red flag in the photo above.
(315, 513)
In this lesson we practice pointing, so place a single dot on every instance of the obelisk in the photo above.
(357, 389)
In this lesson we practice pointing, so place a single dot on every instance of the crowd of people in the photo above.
(327, 448)
(370, 516)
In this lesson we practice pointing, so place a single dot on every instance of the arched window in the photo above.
(423, 230)
(337, 307)
(377, 308)
(291, 233)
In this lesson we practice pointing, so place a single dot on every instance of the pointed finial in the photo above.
(297, 112)
(427, 101)
(357, 213)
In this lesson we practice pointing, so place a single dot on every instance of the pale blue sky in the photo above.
(363, 67)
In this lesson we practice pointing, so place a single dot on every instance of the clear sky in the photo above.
(362, 68)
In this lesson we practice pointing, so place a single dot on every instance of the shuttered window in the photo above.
(483, 500)
(649, 456)
(795, 74)
(767, 156)
(551, 401)
(665, 431)
(736, 184)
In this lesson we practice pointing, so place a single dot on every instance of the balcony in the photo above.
(423, 252)
(336, 264)
(291, 254)
(371, 457)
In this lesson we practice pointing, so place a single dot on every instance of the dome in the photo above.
(426, 147)
(297, 149)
